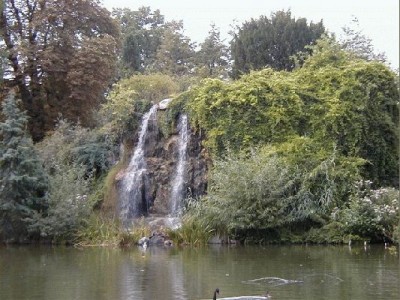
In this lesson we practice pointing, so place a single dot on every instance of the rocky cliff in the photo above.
(151, 193)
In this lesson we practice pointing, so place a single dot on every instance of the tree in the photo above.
(358, 100)
(360, 45)
(213, 54)
(23, 182)
(271, 42)
(142, 32)
(61, 56)
(175, 54)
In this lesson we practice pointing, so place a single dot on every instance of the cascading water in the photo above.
(179, 178)
(132, 193)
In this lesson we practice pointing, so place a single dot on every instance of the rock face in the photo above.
(161, 155)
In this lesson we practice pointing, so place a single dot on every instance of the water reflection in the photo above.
(287, 272)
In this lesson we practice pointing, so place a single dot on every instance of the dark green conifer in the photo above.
(23, 182)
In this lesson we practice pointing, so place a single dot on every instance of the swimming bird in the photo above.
(266, 296)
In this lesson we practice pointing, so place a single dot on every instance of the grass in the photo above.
(191, 233)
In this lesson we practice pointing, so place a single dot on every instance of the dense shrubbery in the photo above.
(309, 155)
(72, 173)
(372, 213)
(328, 125)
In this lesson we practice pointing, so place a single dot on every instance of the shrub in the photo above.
(70, 183)
(372, 213)
(246, 193)
(69, 189)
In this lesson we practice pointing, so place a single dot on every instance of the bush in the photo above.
(68, 204)
(246, 193)
(372, 213)
(70, 183)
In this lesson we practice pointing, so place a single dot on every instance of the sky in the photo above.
(378, 20)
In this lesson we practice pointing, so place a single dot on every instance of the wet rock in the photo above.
(157, 239)
(161, 161)
(168, 243)
(163, 104)
(143, 241)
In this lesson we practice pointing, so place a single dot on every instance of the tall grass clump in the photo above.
(98, 230)
(137, 230)
(192, 232)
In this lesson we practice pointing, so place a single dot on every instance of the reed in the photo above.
(191, 233)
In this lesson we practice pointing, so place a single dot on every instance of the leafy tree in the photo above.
(360, 45)
(213, 54)
(175, 54)
(142, 32)
(23, 181)
(358, 102)
(61, 56)
(270, 42)
(152, 45)
(338, 100)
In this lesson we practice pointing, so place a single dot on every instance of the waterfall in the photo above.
(132, 198)
(179, 178)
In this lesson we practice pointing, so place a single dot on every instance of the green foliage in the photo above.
(75, 145)
(174, 56)
(328, 124)
(23, 181)
(333, 232)
(142, 32)
(192, 232)
(167, 119)
(372, 213)
(335, 99)
(325, 179)
(259, 108)
(60, 62)
(358, 100)
(131, 97)
(68, 204)
(270, 42)
(267, 190)
(95, 152)
(72, 168)
(212, 58)
(247, 193)
(99, 231)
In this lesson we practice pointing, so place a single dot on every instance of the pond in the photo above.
(287, 272)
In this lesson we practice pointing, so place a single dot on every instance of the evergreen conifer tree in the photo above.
(23, 181)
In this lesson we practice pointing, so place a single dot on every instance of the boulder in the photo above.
(163, 104)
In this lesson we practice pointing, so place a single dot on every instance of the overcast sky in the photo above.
(379, 20)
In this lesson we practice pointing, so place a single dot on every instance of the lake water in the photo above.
(287, 272)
